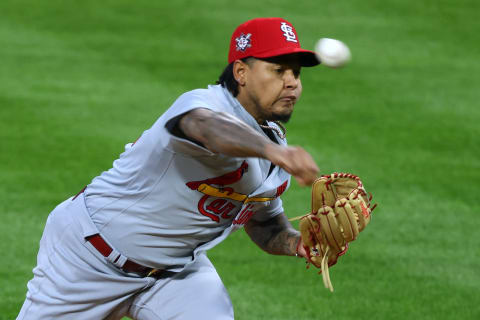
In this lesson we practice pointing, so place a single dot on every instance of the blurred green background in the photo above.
(79, 79)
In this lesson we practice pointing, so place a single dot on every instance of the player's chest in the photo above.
(237, 187)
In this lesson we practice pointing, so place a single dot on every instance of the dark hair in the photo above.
(227, 80)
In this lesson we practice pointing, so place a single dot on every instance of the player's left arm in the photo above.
(275, 236)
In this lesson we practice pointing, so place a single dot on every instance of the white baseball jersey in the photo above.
(167, 199)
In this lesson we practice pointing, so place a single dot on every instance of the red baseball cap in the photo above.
(268, 37)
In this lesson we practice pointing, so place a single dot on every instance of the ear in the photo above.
(240, 70)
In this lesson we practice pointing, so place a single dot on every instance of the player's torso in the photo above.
(170, 196)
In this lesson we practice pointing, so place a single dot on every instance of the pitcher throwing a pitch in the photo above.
(133, 242)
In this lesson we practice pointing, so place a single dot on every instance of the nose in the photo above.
(290, 80)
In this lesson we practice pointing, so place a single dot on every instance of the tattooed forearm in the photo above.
(275, 236)
(223, 133)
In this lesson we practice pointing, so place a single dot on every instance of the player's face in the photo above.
(272, 87)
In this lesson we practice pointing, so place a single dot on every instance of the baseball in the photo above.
(332, 53)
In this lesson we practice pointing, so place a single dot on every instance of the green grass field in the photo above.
(79, 79)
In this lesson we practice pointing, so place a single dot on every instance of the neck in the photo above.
(251, 107)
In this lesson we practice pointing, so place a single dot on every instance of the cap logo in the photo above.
(243, 42)
(288, 32)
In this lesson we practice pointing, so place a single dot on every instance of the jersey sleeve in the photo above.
(188, 101)
(273, 209)
(200, 98)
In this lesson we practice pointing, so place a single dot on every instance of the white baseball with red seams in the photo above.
(332, 53)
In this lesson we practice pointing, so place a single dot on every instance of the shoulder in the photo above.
(210, 98)
(208, 92)
(194, 94)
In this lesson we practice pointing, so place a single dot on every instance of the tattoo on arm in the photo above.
(275, 236)
(222, 133)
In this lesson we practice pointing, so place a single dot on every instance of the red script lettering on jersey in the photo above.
(218, 207)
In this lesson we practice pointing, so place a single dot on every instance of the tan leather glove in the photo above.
(340, 211)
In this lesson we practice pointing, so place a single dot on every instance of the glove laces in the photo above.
(325, 274)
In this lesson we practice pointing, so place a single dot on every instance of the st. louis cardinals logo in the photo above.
(243, 42)
(288, 32)
(220, 201)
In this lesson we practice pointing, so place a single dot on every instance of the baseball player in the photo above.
(133, 242)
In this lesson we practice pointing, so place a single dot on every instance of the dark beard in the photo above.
(283, 118)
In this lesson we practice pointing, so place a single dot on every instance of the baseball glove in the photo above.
(340, 211)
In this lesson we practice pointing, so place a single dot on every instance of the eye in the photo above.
(278, 70)
(296, 73)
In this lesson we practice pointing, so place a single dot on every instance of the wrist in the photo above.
(271, 151)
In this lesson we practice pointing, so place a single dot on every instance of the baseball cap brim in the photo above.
(307, 58)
